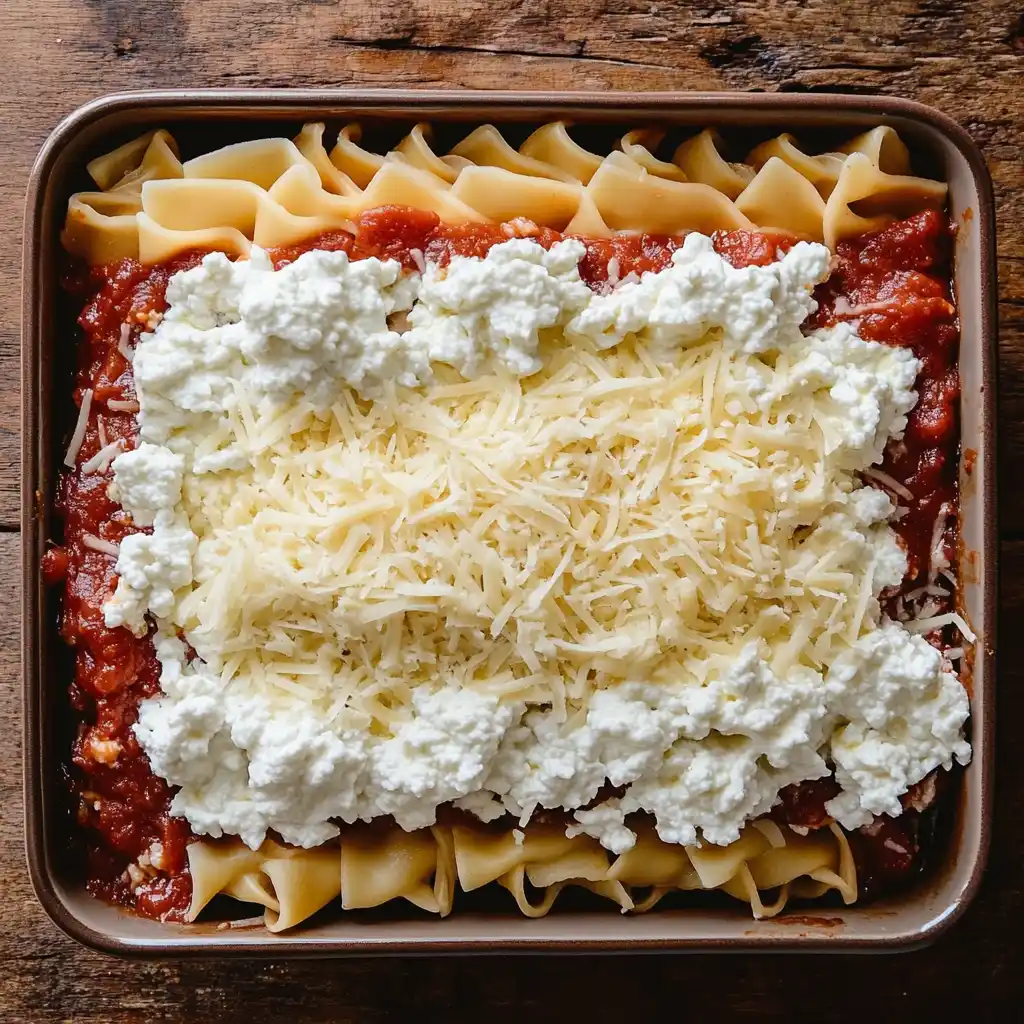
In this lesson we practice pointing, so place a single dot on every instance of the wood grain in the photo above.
(964, 57)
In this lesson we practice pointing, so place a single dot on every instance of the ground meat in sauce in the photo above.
(895, 283)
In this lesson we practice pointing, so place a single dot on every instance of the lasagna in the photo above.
(518, 515)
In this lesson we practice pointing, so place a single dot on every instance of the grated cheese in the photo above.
(937, 547)
(843, 307)
(122, 343)
(606, 517)
(931, 623)
(78, 436)
(889, 482)
(100, 462)
(99, 544)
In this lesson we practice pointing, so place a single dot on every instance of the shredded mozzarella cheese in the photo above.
(889, 482)
(929, 624)
(100, 462)
(78, 436)
(122, 343)
(99, 544)
(536, 539)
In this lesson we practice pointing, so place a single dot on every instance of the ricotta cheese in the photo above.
(441, 754)
(707, 790)
(247, 762)
(476, 312)
(147, 480)
(239, 338)
(639, 734)
(151, 568)
(752, 309)
(870, 390)
(901, 715)
(606, 823)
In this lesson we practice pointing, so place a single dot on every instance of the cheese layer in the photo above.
(539, 541)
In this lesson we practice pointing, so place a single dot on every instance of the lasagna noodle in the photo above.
(273, 192)
(382, 864)
(376, 863)
(290, 884)
(150, 156)
(701, 160)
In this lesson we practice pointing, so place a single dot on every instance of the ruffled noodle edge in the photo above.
(275, 191)
(374, 864)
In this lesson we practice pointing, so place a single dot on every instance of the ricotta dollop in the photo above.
(488, 313)
(753, 309)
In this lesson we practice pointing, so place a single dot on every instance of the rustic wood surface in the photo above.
(965, 57)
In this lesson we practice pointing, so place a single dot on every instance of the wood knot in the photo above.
(741, 52)
(1015, 37)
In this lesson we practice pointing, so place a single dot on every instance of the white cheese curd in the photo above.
(782, 717)
(481, 804)
(246, 763)
(476, 312)
(146, 480)
(754, 308)
(648, 563)
(709, 789)
(322, 320)
(604, 822)
(870, 389)
(544, 764)
(151, 568)
(441, 754)
(240, 334)
(902, 716)
(545, 761)
(636, 734)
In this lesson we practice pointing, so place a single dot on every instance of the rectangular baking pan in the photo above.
(204, 120)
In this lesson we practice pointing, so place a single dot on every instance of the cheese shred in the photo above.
(78, 436)
(623, 513)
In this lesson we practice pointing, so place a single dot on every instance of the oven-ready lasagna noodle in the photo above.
(529, 516)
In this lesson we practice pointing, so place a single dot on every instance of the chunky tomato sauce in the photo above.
(121, 805)
(895, 283)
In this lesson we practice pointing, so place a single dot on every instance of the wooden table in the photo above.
(963, 56)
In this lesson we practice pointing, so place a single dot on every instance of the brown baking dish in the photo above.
(207, 119)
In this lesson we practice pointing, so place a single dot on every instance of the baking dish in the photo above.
(207, 119)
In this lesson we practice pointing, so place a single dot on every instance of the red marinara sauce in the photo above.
(121, 805)
(895, 286)
(895, 283)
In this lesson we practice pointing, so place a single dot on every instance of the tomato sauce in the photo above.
(134, 850)
(896, 285)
